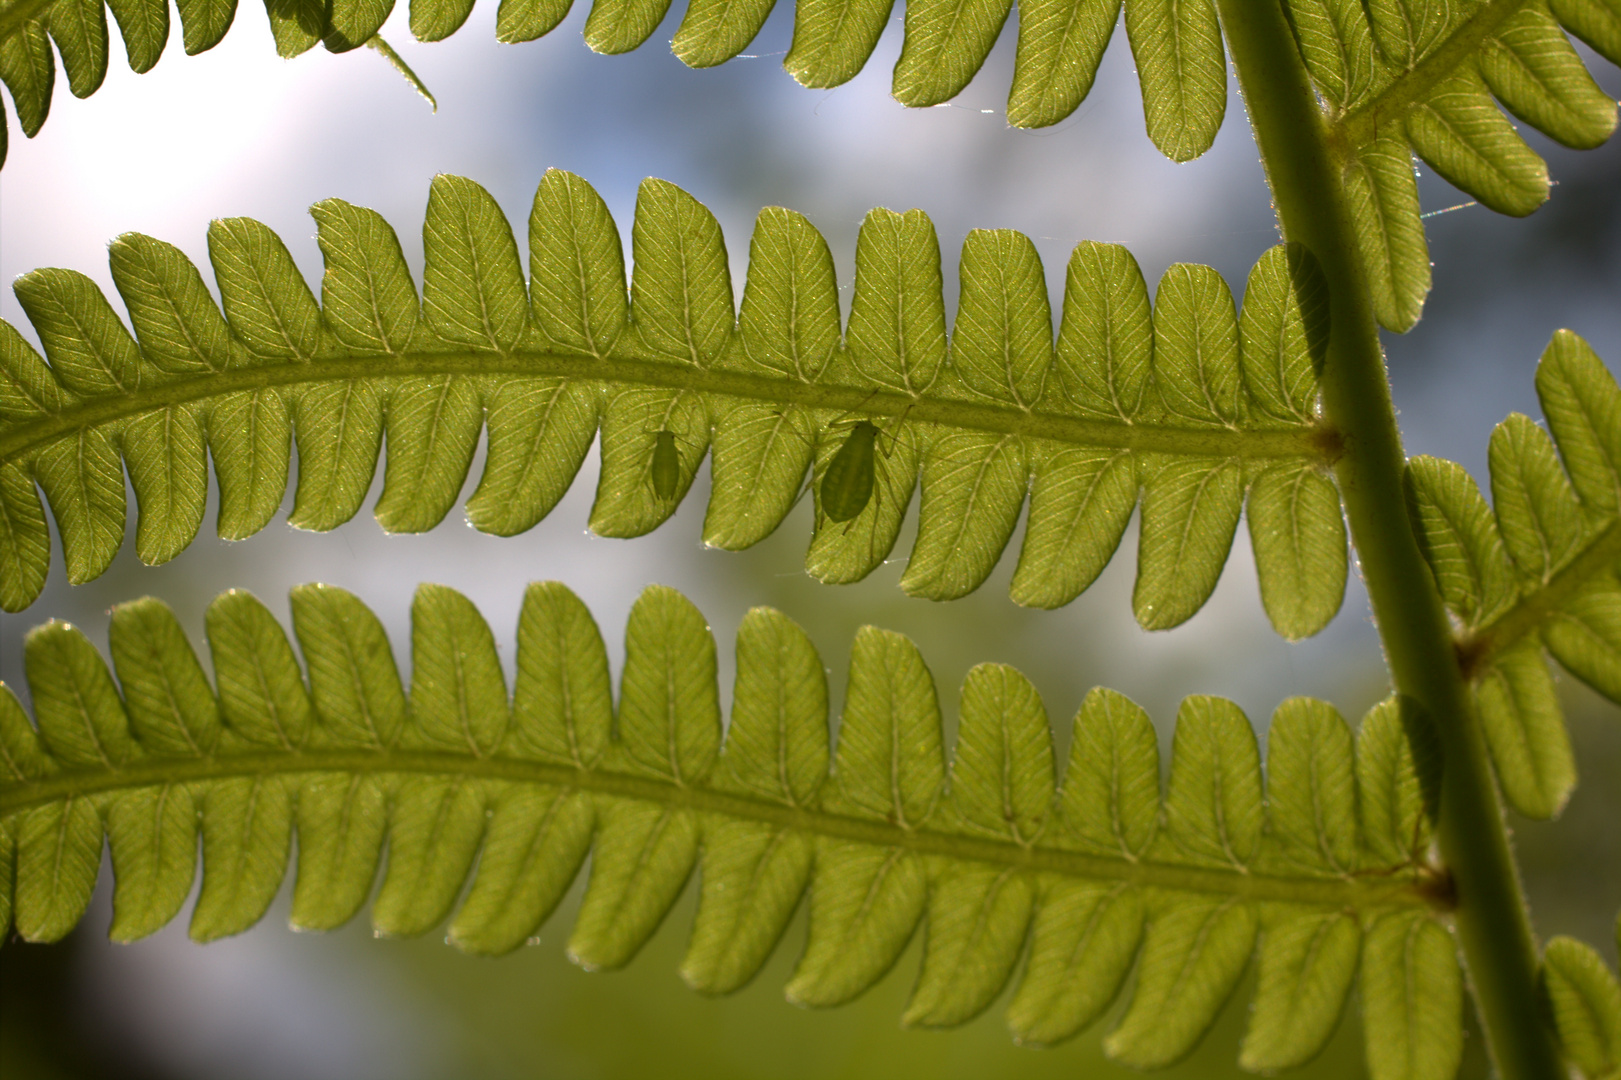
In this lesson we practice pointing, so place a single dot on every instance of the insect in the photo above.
(665, 470)
(847, 482)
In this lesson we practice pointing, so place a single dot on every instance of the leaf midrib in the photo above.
(1359, 126)
(1357, 893)
(1317, 442)
(1476, 650)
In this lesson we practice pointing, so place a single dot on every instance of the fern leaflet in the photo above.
(1401, 78)
(1098, 872)
(1537, 575)
(1193, 403)
(1584, 998)
(1396, 77)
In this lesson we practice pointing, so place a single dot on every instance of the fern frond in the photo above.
(1093, 873)
(1403, 77)
(1539, 573)
(1191, 403)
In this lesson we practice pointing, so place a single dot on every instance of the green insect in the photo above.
(665, 470)
(848, 480)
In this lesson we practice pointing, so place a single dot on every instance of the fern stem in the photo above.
(1362, 892)
(1492, 919)
(1319, 442)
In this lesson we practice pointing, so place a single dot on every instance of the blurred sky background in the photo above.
(237, 131)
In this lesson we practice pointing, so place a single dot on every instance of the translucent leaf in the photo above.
(983, 418)
(27, 69)
(534, 845)
(435, 20)
(1285, 333)
(435, 828)
(1460, 540)
(250, 440)
(1080, 502)
(1110, 795)
(1460, 132)
(1213, 802)
(58, 854)
(1298, 534)
(1383, 198)
(1106, 338)
(1192, 959)
(367, 295)
(79, 28)
(1595, 22)
(1002, 775)
(881, 844)
(1532, 69)
(618, 26)
(977, 921)
(1306, 967)
(1398, 765)
(643, 856)
(1583, 406)
(1412, 1011)
(204, 22)
(669, 714)
(353, 22)
(247, 827)
(152, 835)
(472, 286)
(833, 39)
(168, 467)
(1311, 787)
(171, 707)
(946, 42)
(682, 291)
(353, 681)
(577, 291)
(897, 335)
(145, 26)
(789, 322)
(1196, 346)
(562, 707)
(1002, 341)
(776, 744)
(1336, 42)
(1536, 507)
(80, 715)
(432, 424)
(973, 490)
(1061, 43)
(1083, 942)
(1525, 728)
(261, 691)
(1585, 636)
(1190, 512)
(1183, 69)
(754, 877)
(458, 695)
(714, 31)
(1585, 999)
(25, 543)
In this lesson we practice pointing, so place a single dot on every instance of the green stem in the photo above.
(1316, 441)
(1492, 920)
(1401, 888)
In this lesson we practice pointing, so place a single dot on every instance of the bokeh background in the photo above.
(237, 131)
